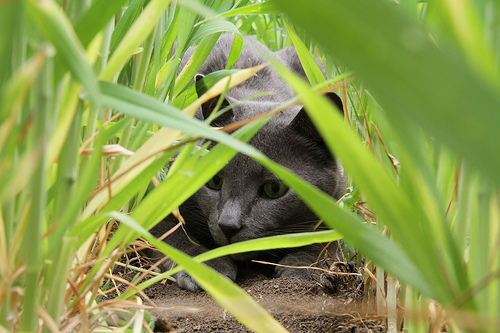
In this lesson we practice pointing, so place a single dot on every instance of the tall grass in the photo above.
(91, 108)
(437, 106)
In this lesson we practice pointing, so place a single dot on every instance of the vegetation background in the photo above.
(91, 110)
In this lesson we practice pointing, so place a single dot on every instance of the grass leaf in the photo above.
(56, 27)
(439, 90)
(138, 32)
(225, 292)
(96, 18)
(197, 59)
(313, 73)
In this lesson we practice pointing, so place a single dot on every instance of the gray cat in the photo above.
(244, 200)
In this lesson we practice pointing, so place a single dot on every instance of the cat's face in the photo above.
(246, 201)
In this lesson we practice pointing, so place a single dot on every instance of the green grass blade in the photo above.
(145, 108)
(149, 109)
(70, 106)
(14, 91)
(225, 292)
(9, 17)
(192, 173)
(125, 23)
(87, 181)
(56, 27)
(32, 240)
(213, 27)
(313, 73)
(168, 38)
(465, 23)
(96, 18)
(266, 7)
(260, 244)
(235, 52)
(84, 229)
(15, 179)
(368, 240)
(274, 242)
(381, 190)
(207, 82)
(415, 81)
(180, 185)
(138, 32)
(197, 59)
(199, 8)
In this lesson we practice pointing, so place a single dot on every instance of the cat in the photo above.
(244, 200)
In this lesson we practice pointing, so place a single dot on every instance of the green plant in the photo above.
(440, 101)
(64, 141)
(86, 86)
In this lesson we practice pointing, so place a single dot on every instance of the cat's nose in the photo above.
(229, 227)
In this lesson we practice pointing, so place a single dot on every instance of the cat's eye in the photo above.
(274, 189)
(215, 183)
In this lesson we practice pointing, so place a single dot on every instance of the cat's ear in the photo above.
(336, 100)
(208, 107)
(303, 125)
(224, 119)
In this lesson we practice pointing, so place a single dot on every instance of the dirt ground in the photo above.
(334, 305)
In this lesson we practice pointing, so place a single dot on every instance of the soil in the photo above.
(333, 305)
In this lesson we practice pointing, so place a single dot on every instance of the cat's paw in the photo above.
(224, 266)
(298, 259)
(299, 273)
(186, 282)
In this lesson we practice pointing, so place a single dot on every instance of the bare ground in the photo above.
(333, 305)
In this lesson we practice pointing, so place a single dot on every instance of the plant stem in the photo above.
(392, 319)
(381, 308)
(142, 61)
(480, 250)
(68, 167)
(101, 63)
(61, 247)
(62, 264)
(464, 202)
(19, 42)
(32, 238)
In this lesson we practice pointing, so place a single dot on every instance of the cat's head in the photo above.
(246, 201)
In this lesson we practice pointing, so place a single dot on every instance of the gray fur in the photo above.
(240, 210)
